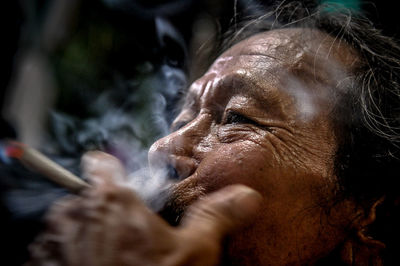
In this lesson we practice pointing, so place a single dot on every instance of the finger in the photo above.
(108, 177)
(102, 169)
(222, 212)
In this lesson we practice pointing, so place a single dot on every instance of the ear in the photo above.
(361, 248)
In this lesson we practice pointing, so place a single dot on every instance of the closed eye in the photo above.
(236, 118)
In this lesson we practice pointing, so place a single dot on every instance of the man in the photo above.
(289, 114)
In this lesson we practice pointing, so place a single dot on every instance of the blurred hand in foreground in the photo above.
(109, 225)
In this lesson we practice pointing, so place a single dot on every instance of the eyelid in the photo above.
(246, 119)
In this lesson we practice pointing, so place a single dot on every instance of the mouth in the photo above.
(178, 198)
(172, 213)
(174, 205)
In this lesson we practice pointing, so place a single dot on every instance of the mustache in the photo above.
(177, 199)
(172, 212)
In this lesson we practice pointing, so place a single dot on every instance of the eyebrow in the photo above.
(244, 85)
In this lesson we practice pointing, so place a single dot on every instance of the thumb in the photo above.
(222, 212)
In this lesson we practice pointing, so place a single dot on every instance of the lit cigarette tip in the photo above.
(14, 151)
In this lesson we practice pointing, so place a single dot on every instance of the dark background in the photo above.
(84, 63)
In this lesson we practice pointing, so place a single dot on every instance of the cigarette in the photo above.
(38, 162)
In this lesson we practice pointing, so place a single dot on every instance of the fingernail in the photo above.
(100, 167)
(89, 163)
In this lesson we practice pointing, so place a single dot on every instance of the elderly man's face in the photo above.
(259, 117)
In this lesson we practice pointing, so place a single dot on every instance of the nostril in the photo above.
(172, 173)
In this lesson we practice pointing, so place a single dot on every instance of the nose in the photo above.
(176, 154)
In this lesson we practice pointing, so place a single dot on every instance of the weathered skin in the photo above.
(258, 117)
(242, 122)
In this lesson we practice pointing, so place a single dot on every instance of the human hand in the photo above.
(109, 225)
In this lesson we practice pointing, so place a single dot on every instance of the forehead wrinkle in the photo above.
(277, 59)
(198, 89)
(208, 86)
(268, 58)
(306, 69)
(331, 56)
(318, 62)
(317, 72)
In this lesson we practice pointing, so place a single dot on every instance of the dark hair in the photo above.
(366, 115)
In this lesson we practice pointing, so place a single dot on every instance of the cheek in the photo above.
(242, 163)
(282, 182)
(290, 218)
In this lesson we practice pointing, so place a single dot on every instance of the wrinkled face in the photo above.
(260, 117)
